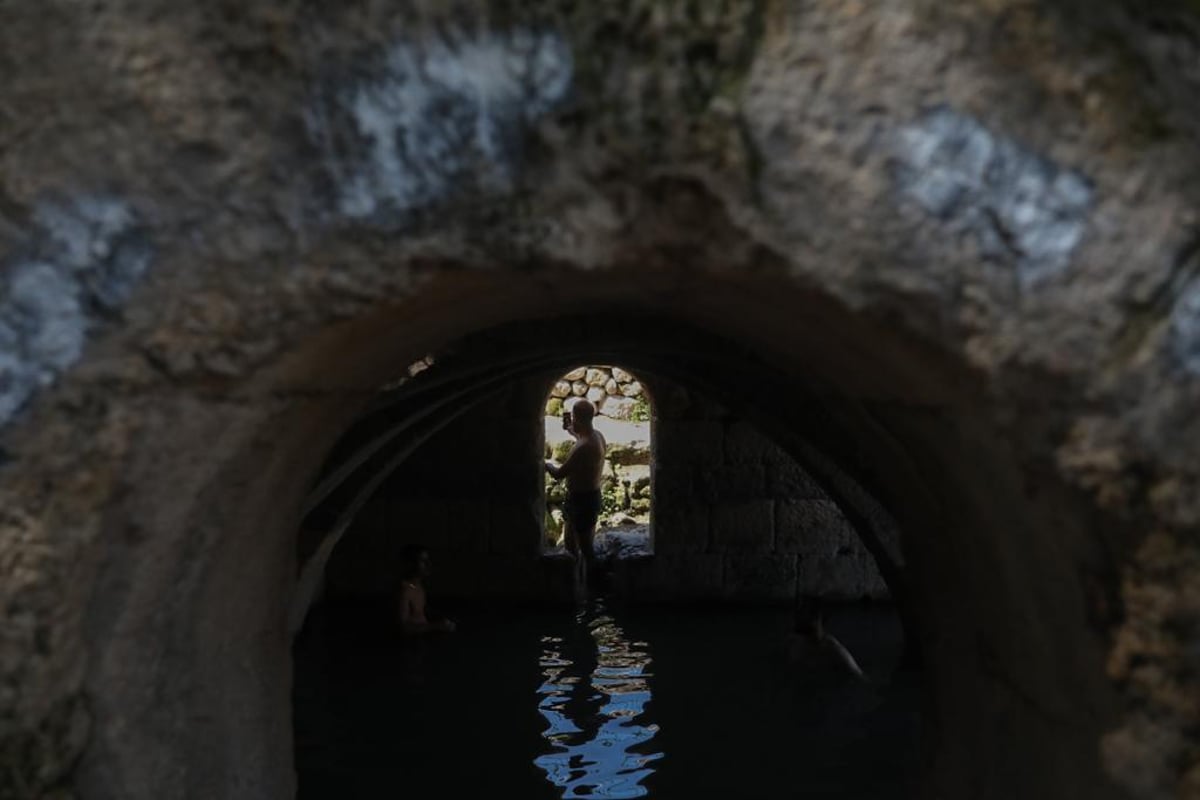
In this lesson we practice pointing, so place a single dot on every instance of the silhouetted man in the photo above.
(582, 471)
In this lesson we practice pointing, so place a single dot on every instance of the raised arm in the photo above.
(567, 468)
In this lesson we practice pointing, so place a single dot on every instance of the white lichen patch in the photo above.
(1022, 208)
(81, 258)
(435, 118)
(1185, 328)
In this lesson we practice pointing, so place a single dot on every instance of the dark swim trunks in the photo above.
(583, 509)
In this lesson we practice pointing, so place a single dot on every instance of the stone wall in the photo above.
(734, 517)
(612, 390)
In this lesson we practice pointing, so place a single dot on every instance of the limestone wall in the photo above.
(736, 517)
(614, 391)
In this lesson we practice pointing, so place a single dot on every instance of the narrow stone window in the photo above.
(625, 417)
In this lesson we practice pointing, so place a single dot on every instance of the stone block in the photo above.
(787, 479)
(576, 374)
(560, 389)
(673, 483)
(469, 523)
(423, 520)
(680, 527)
(682, 576)
(848, 575)
(515, 440)
(743, 526)
(814, 527)
(681, 442)
(745, 444)
(754, 576)
(596, 377)
(516, 527)
(486, 576)
(617, 407)
(729, 482)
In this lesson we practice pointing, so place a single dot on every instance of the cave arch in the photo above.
(909, 456)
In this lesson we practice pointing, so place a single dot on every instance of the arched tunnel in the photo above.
(940, 262)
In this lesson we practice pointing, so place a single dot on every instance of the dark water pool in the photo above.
(601, 704)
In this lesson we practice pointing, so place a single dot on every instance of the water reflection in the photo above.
(593, 698)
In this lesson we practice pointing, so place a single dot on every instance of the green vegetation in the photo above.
(562, 450)
(641, 409)
(554, 407)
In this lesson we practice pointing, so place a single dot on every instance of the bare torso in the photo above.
(586, 462)
(412, 604)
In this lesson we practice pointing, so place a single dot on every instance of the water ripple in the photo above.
(595, 716)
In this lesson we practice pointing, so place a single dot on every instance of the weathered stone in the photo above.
(1021, 208)
(611, 387)
(626, 455)
(785, 479)
(411, 519)
(579, 388)
(596, 377)
(621, 376)
(468, 523)
(759, 576)
(680, 526)
(632, 389)
(595, 395)
(90, 257)
(561, 389)
(815, 527)
(618, 408)
(419, 137)
(729, 482)
(516, 527)
(745, 445)
(680, 576)
(691, 441)
(576, 374)
(743, 526)
(1185, 328)
(850, 575)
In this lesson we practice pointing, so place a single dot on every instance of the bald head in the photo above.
(582, 413)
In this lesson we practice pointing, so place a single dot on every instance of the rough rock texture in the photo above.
(964, 234)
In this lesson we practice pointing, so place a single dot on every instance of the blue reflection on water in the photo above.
(595, 716)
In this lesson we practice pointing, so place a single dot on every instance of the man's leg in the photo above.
(587, 544)
(571, 540)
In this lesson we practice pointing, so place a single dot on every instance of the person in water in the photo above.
(416, 568)
(582, 470)
(816, 650)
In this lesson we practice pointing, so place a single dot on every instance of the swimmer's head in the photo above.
(415, 562)
(809, 620)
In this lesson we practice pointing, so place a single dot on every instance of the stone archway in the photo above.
(969, 232)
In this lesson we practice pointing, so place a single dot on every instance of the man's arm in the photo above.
(567, 467)
(843, 655)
